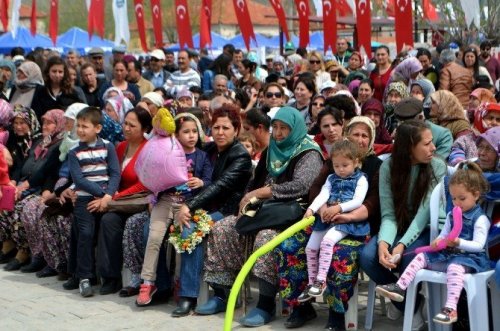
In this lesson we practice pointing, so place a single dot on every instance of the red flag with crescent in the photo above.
(95, 20)
(54, 20)
(403, 22)
(364, 25)
(4, 15)
(429, 10)
(183, 24)
(280, 13)
(141, 28)
(205, 23)
(303, 11)
(243, 16)
(329, 25)
(33, 17)
(156, 16)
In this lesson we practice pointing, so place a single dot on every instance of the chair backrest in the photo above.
(436, 201)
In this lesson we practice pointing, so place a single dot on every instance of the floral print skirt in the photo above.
(133, 242)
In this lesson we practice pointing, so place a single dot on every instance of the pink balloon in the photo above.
(161, 164)
(454, 233)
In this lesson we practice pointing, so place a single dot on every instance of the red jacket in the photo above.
(129, 183)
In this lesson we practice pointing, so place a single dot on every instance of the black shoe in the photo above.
(184, 307)
(46, 272)
(300, 315)
(6, 257)
(110, 286)
(71, 284)
(13, 265)
(36, 264)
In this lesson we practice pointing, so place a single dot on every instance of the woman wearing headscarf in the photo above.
(7, 77)
(5, 121)
(344, 268)
(374, 110)
(37, 179)
(407, 71)
(396, 92)
(279, 66)
(286, 171)
(28, 77)
(422, 89)
(476, 98)
(447, 111)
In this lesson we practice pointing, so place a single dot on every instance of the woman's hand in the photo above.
(67, 195)
(342, 218)
(194, 183)
(330, 212)
(183, 217)
(384, 256)
(399, 249)
(46, 195)
(94, 205)
(104, 202)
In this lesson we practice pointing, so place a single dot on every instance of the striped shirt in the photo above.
(94, 168)
(179, 80)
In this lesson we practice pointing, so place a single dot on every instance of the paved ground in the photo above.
(30, 303)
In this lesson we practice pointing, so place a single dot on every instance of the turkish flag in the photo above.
(139, 16)
(156, 16)
(364, 25)
(303, 11)
(183, 24)
(33, 17)
(429, 10)
(95, 20)
(403, 22)
(344, 8)
(329, 25)
(280, 13)
(205, 23)
(4, 15)
(243, 16)
(54, 20)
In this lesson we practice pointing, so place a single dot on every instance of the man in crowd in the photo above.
(90, 84)
(170, 64)
(491, 64)
(185, 77)
(237, 58)
(134, 76)
(156, 74)
(96, 57)
(343, 55)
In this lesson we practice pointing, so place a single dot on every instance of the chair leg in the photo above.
(411, 296)
(495, 302)
(351, 316)
(370, 305)
(477, 301)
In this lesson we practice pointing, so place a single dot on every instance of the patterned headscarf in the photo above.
(118, 106)
(481, 112)
(405, 69)
(449, 107)
(29, 117)
(55, 116)
(127, 105)
(371, 126)
(399, 87)
(5, 113)
(33, 75)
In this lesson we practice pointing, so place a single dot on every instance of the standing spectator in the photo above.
(343, 53)
(470, 61)
(317, 67)
(455, 78)
(7, 77)
(382, 72)
(156, 74)
(204, 62)
(184, 77)
(220, 66)
(90, 84)
(247, 71)
(491, 64)
(73, 61)
(170, 65)
(429, 70)
(96, 57)
(134, 77)
(237, 58)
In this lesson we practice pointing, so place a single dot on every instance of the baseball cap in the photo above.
(157, 54)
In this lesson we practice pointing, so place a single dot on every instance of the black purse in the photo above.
(268, 214)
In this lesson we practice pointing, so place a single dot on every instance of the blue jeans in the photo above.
(163, 281)
(192, 265)
(378, 273)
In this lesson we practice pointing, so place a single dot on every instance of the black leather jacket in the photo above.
(232, 171)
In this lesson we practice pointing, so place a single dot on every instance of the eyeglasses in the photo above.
(314, 61)
(317, 104)
(278, 95)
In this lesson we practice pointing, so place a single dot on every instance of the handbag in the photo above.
(130, 204)
(8, 198)
(268, 214)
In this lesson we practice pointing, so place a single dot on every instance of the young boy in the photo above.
(95, 171)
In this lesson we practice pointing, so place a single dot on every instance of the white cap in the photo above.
(158, 54)
(327, 84)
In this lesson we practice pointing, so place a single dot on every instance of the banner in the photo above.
(183, 24)
(157, 29)
(95, 20)
(54, 20)
(4, 14)
(330, 25)
(364, 26)
(139, 17)
(205, 23)
(14, 17)
(429, 10)
(280, 13)
(303, 13)
(403, 23)
(243, 16)
(33, 18)
(120, 15)
(472, 12)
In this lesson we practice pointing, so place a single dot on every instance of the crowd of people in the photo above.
(360, 143)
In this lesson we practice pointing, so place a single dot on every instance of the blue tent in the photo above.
(260, 41)
(316, 40)
(23, 39)
(217, 42)
(275, 41)
(76, 38)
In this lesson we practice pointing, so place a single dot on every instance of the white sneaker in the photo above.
(392, 312)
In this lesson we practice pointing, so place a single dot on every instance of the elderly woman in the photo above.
(341, 280)
(279, 66)
(407, 179)
(422, 89)
(153, 101)
(28, 77)
(129, 90)
(447, 112)
(476, 98)
(455, 78)
(396, 92)
(285, 172)
(36, 180)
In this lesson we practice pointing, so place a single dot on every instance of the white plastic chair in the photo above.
(474, 284)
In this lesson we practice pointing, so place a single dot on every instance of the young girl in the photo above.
(463, 254)
(342, 192)
(188, 132)
(250, 144)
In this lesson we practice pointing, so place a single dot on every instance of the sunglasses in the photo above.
(269, 95)
(317, 104)
(314, 61)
